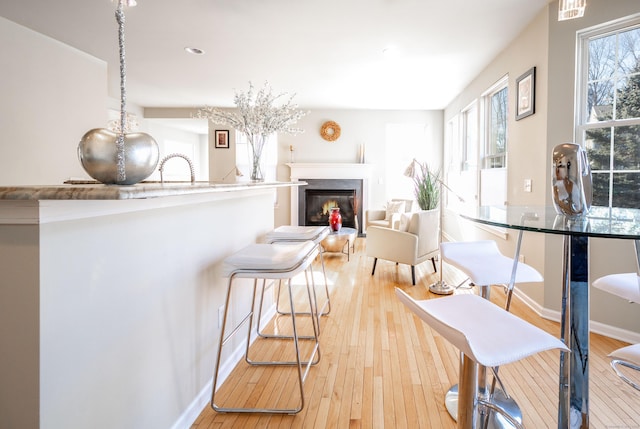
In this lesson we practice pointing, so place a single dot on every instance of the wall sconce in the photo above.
(570, 9)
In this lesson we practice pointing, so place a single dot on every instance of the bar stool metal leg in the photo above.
(313, 309)
(314, 355)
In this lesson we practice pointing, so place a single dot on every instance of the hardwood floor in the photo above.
(381, 367)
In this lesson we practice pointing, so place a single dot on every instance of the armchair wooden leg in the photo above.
(413, 275)
(375, 260)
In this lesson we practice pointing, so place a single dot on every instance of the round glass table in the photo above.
(573, 387)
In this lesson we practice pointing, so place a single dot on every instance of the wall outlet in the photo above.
(527, 185)
(220, 316)
(521, 258)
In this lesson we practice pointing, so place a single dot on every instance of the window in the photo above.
(482, 178)
(496, 107)
(178, 170)
(404, 142)
(470, 137)
(493, 176)
(608, 123)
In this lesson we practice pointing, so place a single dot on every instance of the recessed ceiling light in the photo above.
(194, 51)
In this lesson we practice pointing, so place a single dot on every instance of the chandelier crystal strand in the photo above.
(120, 157)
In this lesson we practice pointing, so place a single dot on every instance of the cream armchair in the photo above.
(418, 243)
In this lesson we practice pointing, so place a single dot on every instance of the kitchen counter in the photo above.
(88, 190)
(110, 296)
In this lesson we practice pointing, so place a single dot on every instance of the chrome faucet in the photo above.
(177, 155)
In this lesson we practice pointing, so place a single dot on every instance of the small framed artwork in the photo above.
(222, 139)
(526, 94)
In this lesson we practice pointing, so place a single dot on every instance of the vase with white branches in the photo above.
(258, 115)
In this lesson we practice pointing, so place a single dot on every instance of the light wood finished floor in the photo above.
(382, 367)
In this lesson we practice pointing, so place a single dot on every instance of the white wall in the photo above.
(51, 95)
(358, 127)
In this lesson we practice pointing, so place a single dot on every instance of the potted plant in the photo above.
(426, 186)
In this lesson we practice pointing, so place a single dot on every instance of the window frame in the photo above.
(487, 154)
(581, 116)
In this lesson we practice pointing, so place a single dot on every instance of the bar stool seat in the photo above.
(625, 286)
(484, 264)
(269, 261)
(464, 321)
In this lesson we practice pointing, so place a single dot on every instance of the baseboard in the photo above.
(594, 327)
(202, 399)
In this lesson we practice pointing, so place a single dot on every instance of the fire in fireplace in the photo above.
(320, 203)
(320, 195)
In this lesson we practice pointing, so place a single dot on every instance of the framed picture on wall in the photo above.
(222, 139)
(526, 94)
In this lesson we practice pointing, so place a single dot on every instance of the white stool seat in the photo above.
(297, 233)
(483, 263)
(464, 321)
(628, 354)
(625, 285)
(273, 261)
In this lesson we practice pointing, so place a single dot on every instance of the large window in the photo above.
(470, 138)
(609, 111)
(493, 175)
(404, 142)
(496, 107)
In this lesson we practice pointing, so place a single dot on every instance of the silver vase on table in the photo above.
(571, 184)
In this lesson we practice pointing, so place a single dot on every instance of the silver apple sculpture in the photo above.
(119, 157)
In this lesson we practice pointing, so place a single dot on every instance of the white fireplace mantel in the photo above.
(315, 170)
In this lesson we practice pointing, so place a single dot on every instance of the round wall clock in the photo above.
(330, 131)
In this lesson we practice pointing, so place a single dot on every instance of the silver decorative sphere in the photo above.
(98, 151)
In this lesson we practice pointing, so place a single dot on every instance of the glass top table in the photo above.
(601, 222)
(573, 386)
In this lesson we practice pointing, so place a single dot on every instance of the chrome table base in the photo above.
(487, 419)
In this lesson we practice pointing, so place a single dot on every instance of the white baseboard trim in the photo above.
(594, 327)
(203, 398)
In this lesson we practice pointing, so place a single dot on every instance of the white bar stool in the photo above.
(483, 263)
(626, 286)
(270, 261)
(295, 233)
(464, 321)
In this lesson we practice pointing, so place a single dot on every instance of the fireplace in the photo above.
(330, 176)
(319, 195)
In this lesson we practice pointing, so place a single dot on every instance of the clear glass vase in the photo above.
(257, 169)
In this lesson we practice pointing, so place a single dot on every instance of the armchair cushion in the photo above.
(392, 208)
(391, 215)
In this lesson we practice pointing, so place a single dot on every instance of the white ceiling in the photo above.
(327, 52)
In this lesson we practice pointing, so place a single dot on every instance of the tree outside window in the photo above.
(609, 124)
